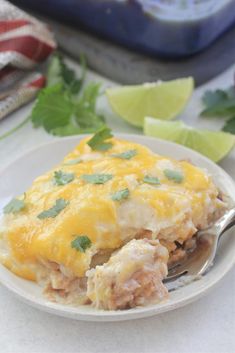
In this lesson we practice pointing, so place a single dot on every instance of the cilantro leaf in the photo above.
(219, 102)
(73, 161)
(90, 94)
(59, 72)
(87, 120)
(67, 73)
(52, 212)
(52, 108)
(87, 123)
(85, 112)
(97, 142)
(14, 206)
(54, 71)
(69, 76)
(68, 130)
(125, 155)
(61, 178)
(230, 126)
(96, 178)
(211, 98)
(120, 195)
(173, 175)
(81, 243)
(151, 180)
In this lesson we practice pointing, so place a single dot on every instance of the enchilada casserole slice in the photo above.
(101, 227)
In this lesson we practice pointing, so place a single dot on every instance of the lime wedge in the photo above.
(162, 100)
(214, 145)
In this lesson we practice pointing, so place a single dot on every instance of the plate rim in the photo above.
(120, 315)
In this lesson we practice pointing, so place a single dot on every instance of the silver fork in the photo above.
(198, 261)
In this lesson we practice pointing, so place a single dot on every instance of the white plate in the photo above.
(17, 177)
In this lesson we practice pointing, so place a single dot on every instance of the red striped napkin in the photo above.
(24, 43)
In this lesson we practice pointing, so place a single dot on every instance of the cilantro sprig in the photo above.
(62, 178)
(221, 103)
(62, 108)
(66, 106)
(52, 212)
(81, 243)
(14, 206)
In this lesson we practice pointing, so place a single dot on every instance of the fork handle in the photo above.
(225, 222)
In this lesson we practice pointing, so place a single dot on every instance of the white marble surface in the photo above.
(206, 326)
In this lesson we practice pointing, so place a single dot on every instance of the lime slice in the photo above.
(162, 100)
(213, 144)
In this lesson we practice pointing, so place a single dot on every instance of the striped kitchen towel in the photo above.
(24, 43)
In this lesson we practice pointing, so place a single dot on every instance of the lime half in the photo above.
(214, 145)
(162, 100)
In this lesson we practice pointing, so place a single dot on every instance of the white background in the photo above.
(206, 326)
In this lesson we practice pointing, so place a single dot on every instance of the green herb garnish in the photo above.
(230, 126)
(73, 161)
(120, 195)
(151, 180)
(63, 115)
(96, 178)
(97, 142)
(81, 243)
(14, 206)
(52, 108)
(61, 178)
(219, 102)
(52, 212)
(63, 108)
(59, 72)
(173, 175)
(125, 155)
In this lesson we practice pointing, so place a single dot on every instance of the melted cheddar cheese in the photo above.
(91, 211)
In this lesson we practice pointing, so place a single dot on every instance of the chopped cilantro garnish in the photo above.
(61, 178)
(81, 243)
(97, 142)
(151, 180)
(173, 175)
(73, 161)
(14, 206)
(120, 195)
(52, 212)
(96, 178)
(125, 155)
